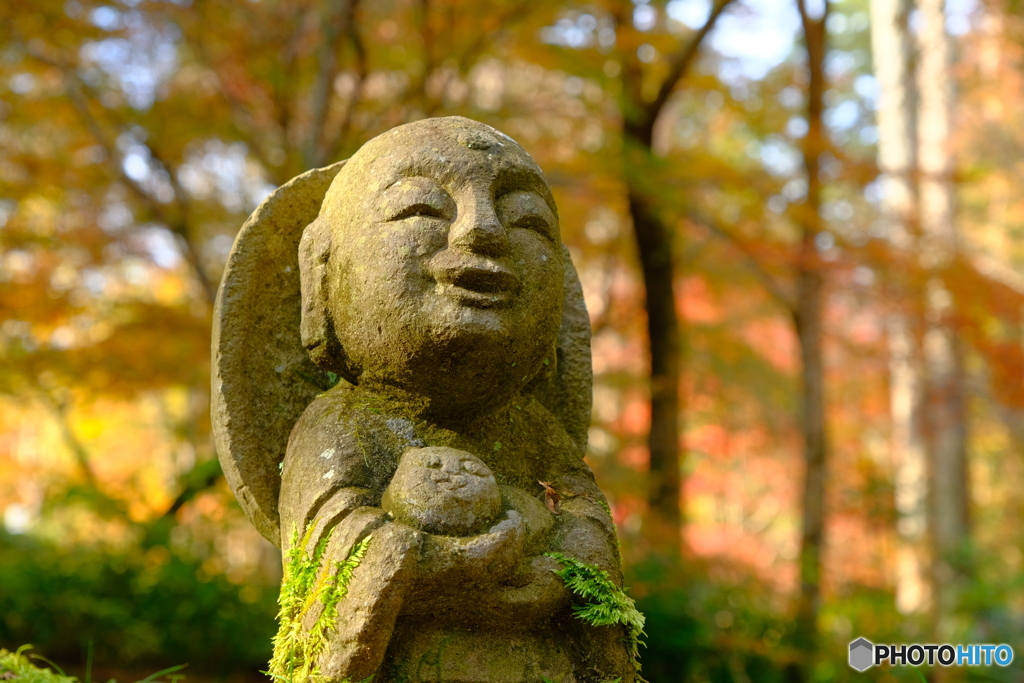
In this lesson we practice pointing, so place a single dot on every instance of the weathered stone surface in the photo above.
(263, 379)
(435, 285)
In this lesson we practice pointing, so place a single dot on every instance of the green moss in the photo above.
(400, 671)
(303, 587)
(324, 380)
(432, 658)
(16, 666)
(599, 602)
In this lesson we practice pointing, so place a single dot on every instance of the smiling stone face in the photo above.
(445, 270)
(443, 491)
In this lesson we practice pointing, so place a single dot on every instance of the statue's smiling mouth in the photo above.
(448, 482)
(473, 280)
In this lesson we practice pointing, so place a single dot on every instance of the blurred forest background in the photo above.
(799, 241)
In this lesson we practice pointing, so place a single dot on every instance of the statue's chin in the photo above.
(451, 380)
(456, 351)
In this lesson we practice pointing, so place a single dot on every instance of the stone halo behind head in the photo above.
(262, 376)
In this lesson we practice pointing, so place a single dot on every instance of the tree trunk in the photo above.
(654, 244)
(945, 425)
(807, 318)
(890, 45)
(664, 523)
(336, 18)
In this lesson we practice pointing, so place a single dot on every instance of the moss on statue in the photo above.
(306, 585)
(599, 602)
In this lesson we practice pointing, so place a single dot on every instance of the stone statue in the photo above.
(402, 351)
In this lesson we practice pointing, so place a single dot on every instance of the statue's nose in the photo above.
(478, 230)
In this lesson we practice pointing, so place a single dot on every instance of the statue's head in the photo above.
(435, 267)
(443, 491)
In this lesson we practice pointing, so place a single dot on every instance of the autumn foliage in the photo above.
(715, 168)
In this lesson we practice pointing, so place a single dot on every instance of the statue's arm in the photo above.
(586, 532)
(584, 528)
(328, 488)
(324, 480)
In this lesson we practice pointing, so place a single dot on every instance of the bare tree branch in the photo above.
(681, 61)
(336, 21)
(178, 225)
(203, 476)
(59, 410)
(771, 285)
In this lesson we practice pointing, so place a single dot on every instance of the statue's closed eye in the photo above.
(532, 223)
(475, 468)
(527, 210)
(416, 197)
(421, 209)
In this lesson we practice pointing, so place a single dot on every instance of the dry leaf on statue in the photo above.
(551, 497)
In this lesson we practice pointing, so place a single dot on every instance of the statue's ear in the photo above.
(317, 326)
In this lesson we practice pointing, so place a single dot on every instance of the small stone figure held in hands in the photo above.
(443, 491)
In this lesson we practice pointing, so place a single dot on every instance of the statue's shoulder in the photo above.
(331, 420)
(546, 434)
(545, 421)
(328, 450)
(347, 434)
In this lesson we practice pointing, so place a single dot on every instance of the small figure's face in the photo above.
(449, 262)
(456, 474)
(443, 490)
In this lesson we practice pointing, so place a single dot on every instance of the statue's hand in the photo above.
(487, 576)
(534, 588)
(530, 594)
(485, 558)
(509, 542)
